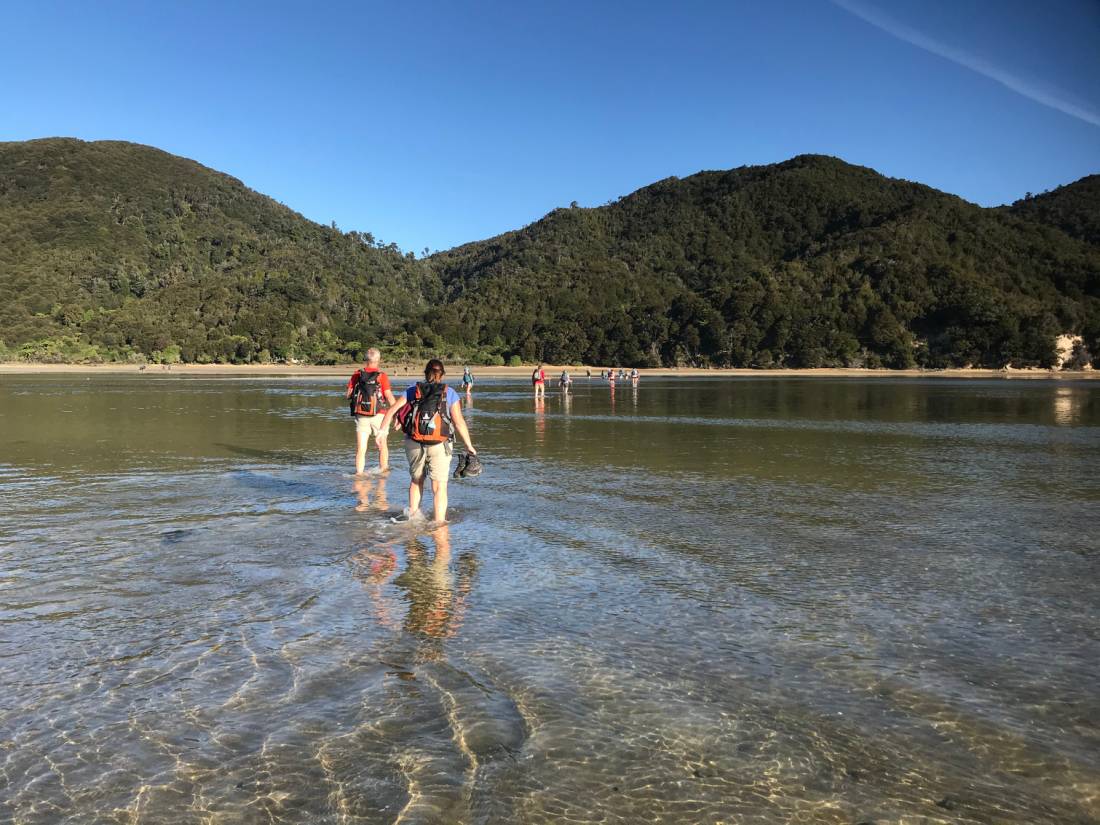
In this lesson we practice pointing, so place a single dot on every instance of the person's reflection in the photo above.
(634, 396)
(567, 415)
(1067, 406)
(370, 491)
(374, 567)
(612, 396)
(435, 592)
(540, 420)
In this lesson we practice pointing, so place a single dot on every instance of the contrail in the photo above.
(1030, 89)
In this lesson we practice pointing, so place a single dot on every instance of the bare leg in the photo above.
(439, 500)
(416, 491)
(383, 451)
(362, 437)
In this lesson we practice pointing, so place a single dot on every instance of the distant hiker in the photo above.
(369, 395)
(467, 380)
(565, 381)
(538, 380)
(430, 414)
(588, 374)
(634, 376)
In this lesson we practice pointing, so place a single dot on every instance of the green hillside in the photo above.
(114, 251)
(109, 250)
(1073, 208)
(811, 262)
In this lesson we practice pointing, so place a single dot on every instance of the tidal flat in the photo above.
(757, 599)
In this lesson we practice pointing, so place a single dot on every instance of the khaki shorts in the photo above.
(435, 457)
(370, 424)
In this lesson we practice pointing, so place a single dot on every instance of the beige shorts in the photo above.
(369, 424)
(435, 457)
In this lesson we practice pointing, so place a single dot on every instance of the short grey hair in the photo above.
(373, 355)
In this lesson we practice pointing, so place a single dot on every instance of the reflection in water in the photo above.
(567, 411)
(634, 395)
(371, 493)
(1067, 405)
(540, 420)
(825, 601)
(436, 595)
(374, 566)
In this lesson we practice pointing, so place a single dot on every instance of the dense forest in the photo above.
(811, 262)
(113, 251)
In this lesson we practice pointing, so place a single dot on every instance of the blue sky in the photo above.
(436, 123)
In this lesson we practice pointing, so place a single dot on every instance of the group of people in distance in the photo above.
(623, 375)
(565, 380)
(429, 413)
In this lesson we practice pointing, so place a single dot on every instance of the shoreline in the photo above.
(400, 370)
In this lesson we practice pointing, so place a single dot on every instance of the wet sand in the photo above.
(292, 370)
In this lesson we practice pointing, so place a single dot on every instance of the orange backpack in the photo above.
(428, 420)
(366, 398)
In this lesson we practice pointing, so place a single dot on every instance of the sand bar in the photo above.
(455, 371)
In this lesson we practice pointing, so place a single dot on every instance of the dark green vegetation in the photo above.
(113, 251)
(118, 251)
(811, 262)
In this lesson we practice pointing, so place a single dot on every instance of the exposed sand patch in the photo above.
(455, 371)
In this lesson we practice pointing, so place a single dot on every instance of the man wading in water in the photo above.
(369, 393)
(431, 414)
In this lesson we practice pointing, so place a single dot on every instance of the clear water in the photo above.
(763, 600)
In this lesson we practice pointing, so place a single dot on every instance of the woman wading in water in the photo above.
(431, 415)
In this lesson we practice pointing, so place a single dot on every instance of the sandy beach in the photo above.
(455, 371)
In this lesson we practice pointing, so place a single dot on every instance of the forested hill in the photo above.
(810, 262)
(113, 250)
(1074, 208)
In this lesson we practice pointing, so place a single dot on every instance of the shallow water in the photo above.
(760, 600)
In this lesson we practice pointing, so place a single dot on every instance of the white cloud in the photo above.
(1031, 89)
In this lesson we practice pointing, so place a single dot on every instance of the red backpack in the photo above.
(428, 420)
